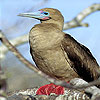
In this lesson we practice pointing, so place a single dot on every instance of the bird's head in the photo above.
(46, 15)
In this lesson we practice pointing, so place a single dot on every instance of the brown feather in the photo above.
(58, 54)
(82, 60)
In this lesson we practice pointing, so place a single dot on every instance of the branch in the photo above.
(29, 94)
(94, 91)
(17, 41)
(69, 94)
(77, 21)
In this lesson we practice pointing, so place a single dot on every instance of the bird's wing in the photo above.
(82, 61)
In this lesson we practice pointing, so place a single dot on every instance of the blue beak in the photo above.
(37, 15)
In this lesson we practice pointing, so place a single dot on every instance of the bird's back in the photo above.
(83, 62)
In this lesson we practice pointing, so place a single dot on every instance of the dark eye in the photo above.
(45, 13)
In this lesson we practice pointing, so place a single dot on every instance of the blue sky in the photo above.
(90, 36)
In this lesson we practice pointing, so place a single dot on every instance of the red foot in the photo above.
(50, 88)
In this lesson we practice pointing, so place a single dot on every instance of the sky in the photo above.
(88, 36)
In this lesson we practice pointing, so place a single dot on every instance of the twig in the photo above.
(77, 21)
(19, 40)
(94, 91)
(86, 85)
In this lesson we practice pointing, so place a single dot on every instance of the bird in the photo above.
(56, 53)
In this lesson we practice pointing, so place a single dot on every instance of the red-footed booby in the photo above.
(56, 53)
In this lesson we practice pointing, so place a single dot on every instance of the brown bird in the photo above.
(58, 54)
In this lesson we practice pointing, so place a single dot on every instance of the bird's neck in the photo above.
(58, 24)
(45, 35)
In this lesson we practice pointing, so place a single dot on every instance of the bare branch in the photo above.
(17, 41)
(94, 91)
(77, 21)
(31, 93)
(83, 83)
(69, 94)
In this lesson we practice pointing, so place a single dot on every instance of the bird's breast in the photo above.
(42, 38)
(53, 62)
(47, 53)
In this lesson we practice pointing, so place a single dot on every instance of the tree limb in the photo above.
(77, 21)
(69, 94)
(17, 41)
(31, 93)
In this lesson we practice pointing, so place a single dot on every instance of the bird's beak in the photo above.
(37, 15)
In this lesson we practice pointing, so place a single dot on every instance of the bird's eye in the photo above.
(46, 13)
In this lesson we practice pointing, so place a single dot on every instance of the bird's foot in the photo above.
(49, 89)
